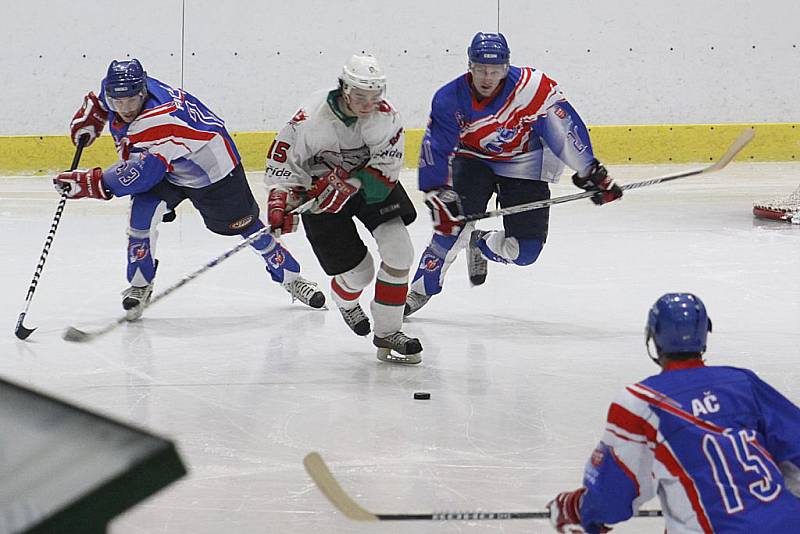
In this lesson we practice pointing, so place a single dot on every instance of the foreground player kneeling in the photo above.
(345, 149)
(719, 446)
(171, 148)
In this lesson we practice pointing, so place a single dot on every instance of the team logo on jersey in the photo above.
(241, 223)
(138, 251)
(501, 137)
(560, 113)
(348, 158)
(462, 124)
(396, 137)
(598, 454)
(299, 117)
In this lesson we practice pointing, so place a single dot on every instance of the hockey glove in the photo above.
(565, 512)
(89, 120)
(446, 211)
(82, 184)
(280, 203)
(332, 191)
(598, 180)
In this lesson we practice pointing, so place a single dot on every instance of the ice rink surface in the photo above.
(521, 370)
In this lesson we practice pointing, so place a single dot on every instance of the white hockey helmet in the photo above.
(363, 72)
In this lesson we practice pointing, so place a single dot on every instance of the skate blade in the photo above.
(134, 314)
(386, 355)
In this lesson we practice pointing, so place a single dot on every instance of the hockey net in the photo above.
(785, 208)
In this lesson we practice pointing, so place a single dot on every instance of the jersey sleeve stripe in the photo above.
(664, 455)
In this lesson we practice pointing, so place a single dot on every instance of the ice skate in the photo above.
(133, 300)
(305, 291)
(398, 348)
(356, 319)
(476, 263)
(415, 301)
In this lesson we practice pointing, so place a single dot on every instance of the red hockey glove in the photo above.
(446, 211)
(598, 180)
(332, 191)
(280, 203)
(82, 184)
(89, 120)
(565, 512)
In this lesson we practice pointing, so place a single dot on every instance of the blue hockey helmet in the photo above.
(125, 78)
(678, 324)
(489, 48)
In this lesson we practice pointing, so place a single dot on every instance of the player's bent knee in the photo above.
(394, 244)
(361, 275)
(529, 250)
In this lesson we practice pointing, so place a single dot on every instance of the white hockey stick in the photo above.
(80, 336)
(745, 137)
(322, 477)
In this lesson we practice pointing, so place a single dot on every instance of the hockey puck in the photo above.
(422, 395)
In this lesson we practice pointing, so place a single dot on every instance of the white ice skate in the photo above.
(476, 263)
(356, 319)
(398, 348)
(305, 291)
(133, 300)
(415, 301)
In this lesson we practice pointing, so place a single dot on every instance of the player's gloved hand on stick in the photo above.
(82, 184)
(598, 180)
(280, 203)
(565, 512)
(332, 191)
(89, 120)
(446, 211)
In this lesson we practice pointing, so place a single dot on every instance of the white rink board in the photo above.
(520, 370)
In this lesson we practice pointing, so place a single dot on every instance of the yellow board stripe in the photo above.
(675, 143)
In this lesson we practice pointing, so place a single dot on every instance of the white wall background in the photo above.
(253, 61)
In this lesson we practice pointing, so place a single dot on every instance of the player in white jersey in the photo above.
(345, 148)
(171, 148)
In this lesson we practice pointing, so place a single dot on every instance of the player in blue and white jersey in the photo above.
(171, 147)
(718, 446)
(505, 130)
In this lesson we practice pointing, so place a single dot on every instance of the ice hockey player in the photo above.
(719, 446)
(345, 148)
(505, 130)
(171, 147)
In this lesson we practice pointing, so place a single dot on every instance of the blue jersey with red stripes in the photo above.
(527, 130)
(718, 445)
(175, 137)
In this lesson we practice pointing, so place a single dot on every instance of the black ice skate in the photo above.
(305, 291)
(356, 319)
(476, 263)
(134, 299)
(415, 301)
(398, 348)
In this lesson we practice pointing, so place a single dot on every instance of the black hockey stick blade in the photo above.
(20, 331)
(323, 478)
(741, 141)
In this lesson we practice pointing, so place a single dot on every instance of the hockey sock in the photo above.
(145, 214)
(436, 260)
(496, 247)
(281, 265)
(141, 265)
(347, 287)
(391, 288)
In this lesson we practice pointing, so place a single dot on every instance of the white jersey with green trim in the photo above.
(320, 137)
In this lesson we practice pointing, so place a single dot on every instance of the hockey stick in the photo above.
(21, 331)
(322, 477)
(745, 137)
(80, 336)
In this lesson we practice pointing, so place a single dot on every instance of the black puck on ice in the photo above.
(422, 395)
